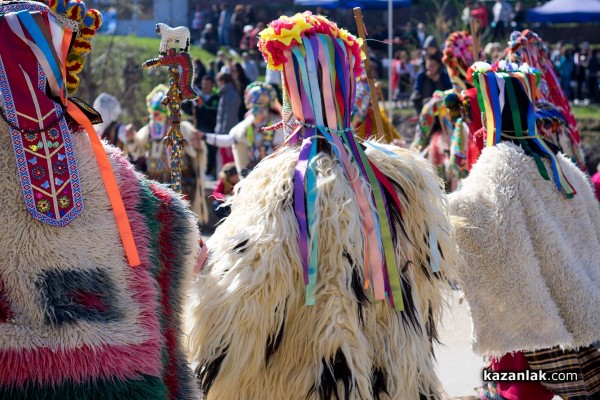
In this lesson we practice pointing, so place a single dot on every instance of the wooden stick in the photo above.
(476, 35)
(360, 25)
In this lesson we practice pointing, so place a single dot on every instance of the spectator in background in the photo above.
(402, 75)
(212, 69)
(556, 54)
(132, 75)
(197, 24)
(430, 48)
(502, 12)
(224, 24)
(245, 43)
(209, 39)
(432, 78)
(421, 34)
(410, 34)
(273, 78)
(466, 14)
(227, 112)
(254, 36)
(565, 68)
(219, 61)
(582, 62)
(212, 15)
(199, 71)
(249, 15)
(228, 178)
(518, 17)
(240, 80)
(480, 13)
(204, 115)
(237, 26)
(592, 77)
(250, 67)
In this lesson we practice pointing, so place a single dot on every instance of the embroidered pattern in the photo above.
(40, 152)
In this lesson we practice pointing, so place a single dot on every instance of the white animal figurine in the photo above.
(169, 35)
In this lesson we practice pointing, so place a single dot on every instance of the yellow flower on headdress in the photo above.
(286, 32)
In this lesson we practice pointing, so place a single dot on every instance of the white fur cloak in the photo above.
(252, 337)
(532, 271)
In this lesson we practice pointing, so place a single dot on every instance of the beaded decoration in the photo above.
(180, 88)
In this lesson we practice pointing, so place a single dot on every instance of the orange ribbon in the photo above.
(110, 183)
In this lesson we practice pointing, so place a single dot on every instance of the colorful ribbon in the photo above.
(302, 80)
(110, 183)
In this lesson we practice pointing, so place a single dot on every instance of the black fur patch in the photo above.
(409, 315)
(274, 341)
(207, 372)
(241, 246)
(333, 371)
(357, 288)
(378, 380)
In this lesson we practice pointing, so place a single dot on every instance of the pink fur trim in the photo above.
(49, 366)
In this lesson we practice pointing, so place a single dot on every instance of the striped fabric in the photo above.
(585, 362)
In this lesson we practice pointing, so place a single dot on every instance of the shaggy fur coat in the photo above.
(249, 332)
(532, 271)
(76, 321)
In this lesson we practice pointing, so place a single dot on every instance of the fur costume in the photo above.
(249, 141)
(78, 318)
(433, 136)
(527, 47)
(151, 154)
(531, 274)
(257, 327)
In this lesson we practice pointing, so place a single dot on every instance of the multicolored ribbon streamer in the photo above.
(329, 124)
(491, 87)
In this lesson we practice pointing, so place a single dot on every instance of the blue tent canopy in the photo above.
(364, 4)
(556, 11)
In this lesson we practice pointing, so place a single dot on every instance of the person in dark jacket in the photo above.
(432, 78)
(204, 113)
(227, 111)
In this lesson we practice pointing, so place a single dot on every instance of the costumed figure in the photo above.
(110, 129)
(528, 226)
(258, 135)
(363, 117)
(152, 154)
(433, 134)
(527, 47)
(327, 279)
(466, 142)
(94, 257)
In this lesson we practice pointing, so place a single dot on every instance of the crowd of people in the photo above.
(418, 73)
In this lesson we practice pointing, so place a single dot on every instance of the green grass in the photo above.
(587, 112)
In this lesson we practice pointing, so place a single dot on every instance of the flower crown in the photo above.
(287, 32)
(84, 24)
(458, 55)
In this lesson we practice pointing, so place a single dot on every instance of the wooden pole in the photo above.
(360, 25)
(476, 35)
